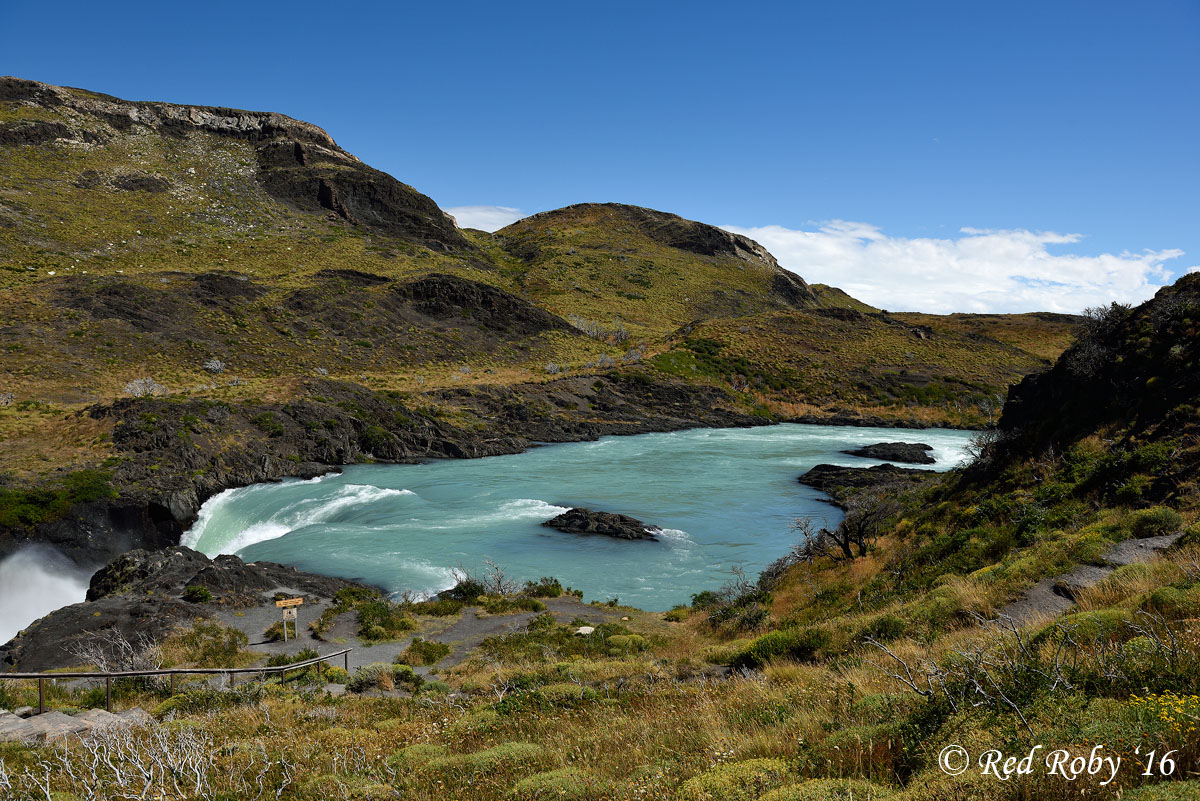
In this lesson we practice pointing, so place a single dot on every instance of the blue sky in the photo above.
(857, 139)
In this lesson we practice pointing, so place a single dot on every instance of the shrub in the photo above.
(1156, 522)
(479, 721)
(268, 424)
(337, 675)
(195, 594)
(507, 604)
(735, 781)
(876, 750)
(831, 790)
(201, 700)
(381, 620)
(677, 615)
(626, 643)
(438, 607)
(417, 755)
(884, 628)
(376, 676)
(424, 652)
(569, 784)
(805, 645)
(212, 645)
(506, 758)
(466, 590)
(546, 587)
(20, 508)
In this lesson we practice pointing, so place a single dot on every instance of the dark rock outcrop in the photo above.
(446, 297)
(609, 524)
(839, 483)
(909, 452)
(141, 594)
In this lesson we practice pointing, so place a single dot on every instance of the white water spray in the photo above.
(34, 582)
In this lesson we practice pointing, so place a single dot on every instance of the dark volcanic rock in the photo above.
(839, 483)
(910, 452)
(585, 521)
(140, 594)
(446, 297)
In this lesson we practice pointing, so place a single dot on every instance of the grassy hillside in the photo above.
(840, 362)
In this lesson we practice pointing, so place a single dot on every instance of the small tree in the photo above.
(849, 539)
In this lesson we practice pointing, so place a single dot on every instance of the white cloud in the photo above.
(980, 271)
(487, 218)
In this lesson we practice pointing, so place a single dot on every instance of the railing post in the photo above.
(173, 683)
(346, 656)
(108, 693)
(41, 696)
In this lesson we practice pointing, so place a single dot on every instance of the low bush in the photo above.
(567, 784)
(383, 677)
(379, 619)
(423, 652)
(1156, 522)
(437, 607)
(804, 645)
(195, 594)
(735, 781)
(507, 604)
(509, 759)
(626, 643)
(546, 587)
(210, 645)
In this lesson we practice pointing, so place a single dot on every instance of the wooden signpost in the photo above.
(288, 605)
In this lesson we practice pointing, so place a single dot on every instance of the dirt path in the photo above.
(463, 634)
(1053, 596)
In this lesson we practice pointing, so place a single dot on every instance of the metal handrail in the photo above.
(108, 676)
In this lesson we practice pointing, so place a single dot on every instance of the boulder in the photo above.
(586, 521)
(910, 452)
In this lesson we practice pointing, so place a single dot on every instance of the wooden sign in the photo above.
(289, 614)
(284, 604)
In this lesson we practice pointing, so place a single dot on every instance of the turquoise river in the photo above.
(724, 497)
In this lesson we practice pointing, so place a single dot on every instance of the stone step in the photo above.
(57, 725)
